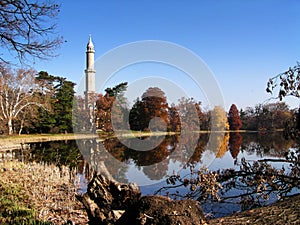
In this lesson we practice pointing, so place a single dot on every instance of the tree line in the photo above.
(32, 102)
(188, 112)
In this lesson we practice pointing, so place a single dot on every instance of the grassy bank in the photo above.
(16, 207)
(38, 194)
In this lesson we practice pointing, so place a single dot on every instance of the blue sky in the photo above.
(244, 43)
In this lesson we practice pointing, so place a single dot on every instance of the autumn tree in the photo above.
(153, 104)
(28, 29)
(103, 112)
(234, 119)
(18, 94)
(174, 119)
(266, 116)
(219, 119)
(190, 113)
(111, 108)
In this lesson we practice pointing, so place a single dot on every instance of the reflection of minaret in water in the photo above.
(90, 72)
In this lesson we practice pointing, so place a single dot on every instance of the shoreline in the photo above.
(19, 141)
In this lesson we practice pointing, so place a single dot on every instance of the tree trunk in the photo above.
(21, 126)
(9, 126)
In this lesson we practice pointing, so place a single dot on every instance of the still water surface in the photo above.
(151, 168)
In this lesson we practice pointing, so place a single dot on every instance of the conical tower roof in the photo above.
(90, 45)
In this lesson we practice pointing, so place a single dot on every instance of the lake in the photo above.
(149, 161)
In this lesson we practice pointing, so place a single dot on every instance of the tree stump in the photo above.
(106, 200)
(152, 210)
(109, 202)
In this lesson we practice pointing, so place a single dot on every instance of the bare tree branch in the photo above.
(286, 83)
(27, 29)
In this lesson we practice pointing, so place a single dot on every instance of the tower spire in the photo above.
(90, 68)
(90, 45)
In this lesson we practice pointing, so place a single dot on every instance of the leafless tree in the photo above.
(27, 29)
(19, 91)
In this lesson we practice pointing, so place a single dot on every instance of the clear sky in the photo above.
(244, 43)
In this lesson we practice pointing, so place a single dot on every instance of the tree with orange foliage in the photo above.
(104, 105)
(103, 112)
(153, 105)
(234, 119)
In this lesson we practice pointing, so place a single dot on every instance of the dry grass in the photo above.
(50, 190)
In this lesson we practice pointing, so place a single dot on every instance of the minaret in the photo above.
(90, 74)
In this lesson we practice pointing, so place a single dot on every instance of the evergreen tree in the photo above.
(63, 105)
(60, 93)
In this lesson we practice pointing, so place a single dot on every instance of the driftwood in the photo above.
(109, 202)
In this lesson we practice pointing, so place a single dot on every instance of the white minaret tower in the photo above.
(90, 94)
(90, 75)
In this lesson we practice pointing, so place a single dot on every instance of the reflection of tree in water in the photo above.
(223, 145)
(155, 162)
(269, 144)
(156, 171)
(251, 185)
(101, 161)
(218, 143)
(235, 143)
(200, 148)
(141, 158)
(55, 152)
(189, 148)
(116, 149)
